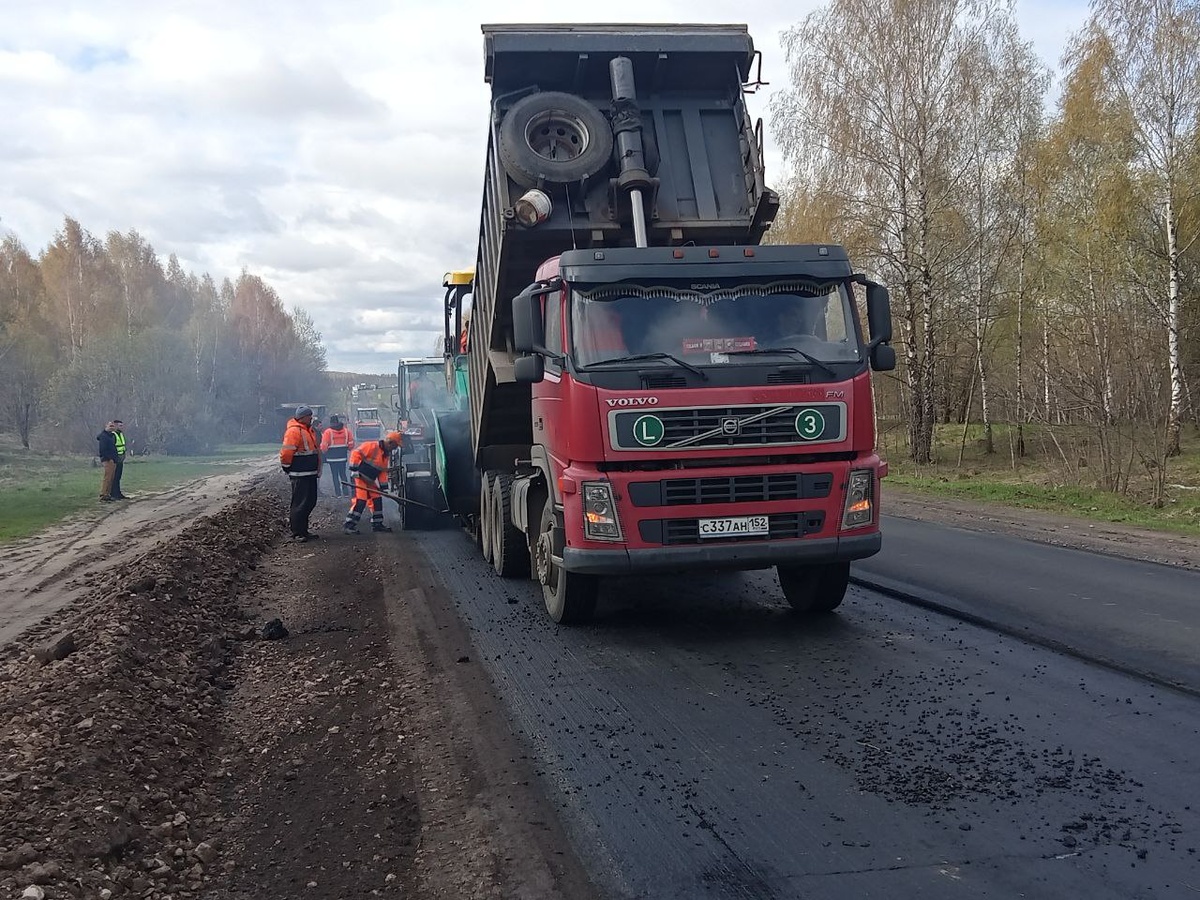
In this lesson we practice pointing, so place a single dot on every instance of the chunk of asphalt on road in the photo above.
(274, 630)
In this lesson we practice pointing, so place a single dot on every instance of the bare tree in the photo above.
(1154, 65)
(80, 287)
(877, 120)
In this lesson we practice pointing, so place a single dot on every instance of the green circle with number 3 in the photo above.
(810, 424)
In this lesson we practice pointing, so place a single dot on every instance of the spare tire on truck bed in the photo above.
(556, 137)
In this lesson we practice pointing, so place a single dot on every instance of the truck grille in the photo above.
(687, 531)
(653, 429)
(733, 489)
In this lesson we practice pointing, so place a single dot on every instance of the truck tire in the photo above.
(814, 589)
(510, 552)
(486, 520)
(556, 137)
(570, 597)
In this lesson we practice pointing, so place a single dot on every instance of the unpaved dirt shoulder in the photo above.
(382, 761)
(1063, 531)
(104, 753)
(176, 754)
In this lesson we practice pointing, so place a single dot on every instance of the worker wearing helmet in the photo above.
(369, 471)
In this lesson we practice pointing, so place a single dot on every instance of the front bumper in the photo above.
(806, 551)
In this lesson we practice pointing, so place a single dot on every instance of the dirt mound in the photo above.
(106, 753)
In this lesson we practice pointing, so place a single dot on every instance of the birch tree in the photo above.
(1154, 66)
(878, 93)
(79, 284)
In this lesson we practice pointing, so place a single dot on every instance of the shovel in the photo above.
(395, 497)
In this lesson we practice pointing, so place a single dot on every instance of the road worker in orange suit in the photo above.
(464, 339)
(300, 457)
(369, 470)
(336, 444)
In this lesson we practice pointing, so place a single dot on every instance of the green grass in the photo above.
(37, 490)
(1180, 515)
(1056, 477)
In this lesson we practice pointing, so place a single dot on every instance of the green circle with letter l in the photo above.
(810, 424)
(648, 430)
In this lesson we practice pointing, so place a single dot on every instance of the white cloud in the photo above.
(334, 149)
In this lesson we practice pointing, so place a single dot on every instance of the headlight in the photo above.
(860, 499)
(599, 512)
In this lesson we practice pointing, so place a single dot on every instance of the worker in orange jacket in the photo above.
(369, 469)
(336, 443)
(300, 457)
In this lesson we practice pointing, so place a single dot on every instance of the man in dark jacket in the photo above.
(108, 458)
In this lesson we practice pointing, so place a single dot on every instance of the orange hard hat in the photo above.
(394, 438)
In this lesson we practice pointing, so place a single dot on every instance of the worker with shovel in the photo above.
(369, 471)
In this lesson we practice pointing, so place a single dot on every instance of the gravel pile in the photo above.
(110, 769)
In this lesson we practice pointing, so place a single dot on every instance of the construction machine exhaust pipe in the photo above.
(627, 129)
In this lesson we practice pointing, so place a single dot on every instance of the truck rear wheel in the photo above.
(510, 553)
(554, 136)
(486, 523)
(814, 589)
(570, 597)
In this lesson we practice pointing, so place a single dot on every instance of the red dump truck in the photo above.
(651, 389)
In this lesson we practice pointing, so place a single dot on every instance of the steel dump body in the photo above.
(710, 187)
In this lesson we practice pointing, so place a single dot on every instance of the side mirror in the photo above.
(529, 369)
(879, 314)
(883, 357)
(395, 401)
(528, 331)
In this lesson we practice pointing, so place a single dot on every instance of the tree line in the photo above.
(93, 329)
(1044, 266)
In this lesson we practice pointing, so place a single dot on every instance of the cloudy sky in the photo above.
(335, 149)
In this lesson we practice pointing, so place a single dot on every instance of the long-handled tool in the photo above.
(372, 489)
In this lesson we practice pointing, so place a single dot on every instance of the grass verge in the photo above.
(1058, 477)
(37, 490)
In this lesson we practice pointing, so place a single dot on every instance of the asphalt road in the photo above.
(704, 742)
(1141, 617)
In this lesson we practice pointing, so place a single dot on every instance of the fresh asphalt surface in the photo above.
(704, 742)
(1142, 617)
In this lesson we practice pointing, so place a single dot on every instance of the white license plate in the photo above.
(734, 526)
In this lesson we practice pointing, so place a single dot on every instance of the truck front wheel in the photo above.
(570, 597)
(814, 589)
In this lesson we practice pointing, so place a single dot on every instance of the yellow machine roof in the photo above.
(459, 276)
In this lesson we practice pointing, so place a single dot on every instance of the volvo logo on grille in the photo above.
(633, 401)
(731, 425)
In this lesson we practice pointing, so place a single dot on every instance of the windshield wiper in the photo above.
(637, 356)
(808, 356)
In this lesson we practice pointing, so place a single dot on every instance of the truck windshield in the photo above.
(427, 388)
(726, 326)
